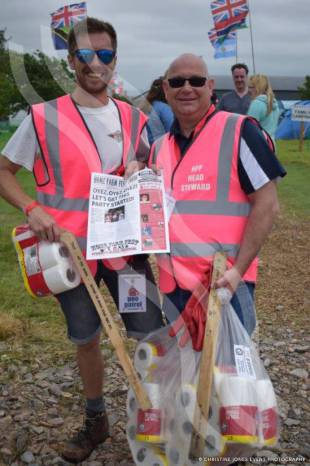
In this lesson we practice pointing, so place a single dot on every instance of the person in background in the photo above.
(62, 142)
(159, 112)
(263, 106)
(238, 100)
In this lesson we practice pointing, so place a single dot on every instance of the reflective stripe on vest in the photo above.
(69, 156)
(204, 220)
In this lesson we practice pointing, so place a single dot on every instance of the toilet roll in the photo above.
(131, 404)
(239, 409)
(177, 451)
(61, 278)
(214, 442)
(141, 453)
(150, 421)
(159, 458)
(51, 254)
(147, 356)
(186, 401)
(268, 412)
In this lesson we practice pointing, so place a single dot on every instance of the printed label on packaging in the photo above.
(239, 423)
(31, 260)
(132, 293)
(149, 425)
(244, 363)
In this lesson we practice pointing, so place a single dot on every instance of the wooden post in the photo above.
(301, 136)
(204, 388)
(107, 321)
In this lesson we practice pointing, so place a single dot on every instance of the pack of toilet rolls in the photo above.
(46, 268)
(243, 415)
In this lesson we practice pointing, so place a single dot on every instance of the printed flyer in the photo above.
(127, 217)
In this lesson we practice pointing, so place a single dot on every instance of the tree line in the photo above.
(29, 78)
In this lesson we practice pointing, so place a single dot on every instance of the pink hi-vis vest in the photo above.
(69, 156)
(211, 209)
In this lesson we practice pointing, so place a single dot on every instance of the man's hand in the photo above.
(132, 167)
(43, 225)
(230, 279)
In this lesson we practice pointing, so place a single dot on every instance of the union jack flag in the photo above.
(68, 15)
(228, 15)
(217, 41)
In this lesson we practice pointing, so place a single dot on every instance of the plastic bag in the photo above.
(243, 412)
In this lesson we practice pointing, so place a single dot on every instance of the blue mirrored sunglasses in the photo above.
(87, 55)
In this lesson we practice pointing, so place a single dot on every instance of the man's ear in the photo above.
(70, 59)
(210, 83)
(165, 87)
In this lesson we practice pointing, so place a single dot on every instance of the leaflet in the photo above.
(127, 217)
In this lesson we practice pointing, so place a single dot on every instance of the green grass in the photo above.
(40, 319)
(19, 308)
(293, 189)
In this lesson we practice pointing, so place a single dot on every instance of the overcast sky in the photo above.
(152, 33)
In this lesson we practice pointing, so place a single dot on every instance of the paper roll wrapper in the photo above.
(61, 278)
(51, 254)
(147, 356)
(239, 410)
(150, 421)
(268, 412)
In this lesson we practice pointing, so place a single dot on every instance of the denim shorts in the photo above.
(242, 302)
(82, 319)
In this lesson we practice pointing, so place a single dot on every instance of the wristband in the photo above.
(30, 207)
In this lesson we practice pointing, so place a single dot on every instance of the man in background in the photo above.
(238, 100)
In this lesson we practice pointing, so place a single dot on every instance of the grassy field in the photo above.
(293, 189)
(40, 319)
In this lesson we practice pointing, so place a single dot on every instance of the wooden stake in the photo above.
(107, 321)
(301, 136)
(204, 388)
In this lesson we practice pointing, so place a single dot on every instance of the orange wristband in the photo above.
(30, 207)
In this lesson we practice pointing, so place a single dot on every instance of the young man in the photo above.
(238, 100)
(221, 172)
(62, 142)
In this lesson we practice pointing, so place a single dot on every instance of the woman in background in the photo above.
(159, 112)
(263, 106)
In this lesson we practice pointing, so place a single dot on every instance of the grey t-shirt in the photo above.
(232, 102)
(103, 123)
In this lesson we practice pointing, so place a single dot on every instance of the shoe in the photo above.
(94, 431)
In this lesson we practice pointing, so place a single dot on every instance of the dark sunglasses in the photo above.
(87, 55)
(194, 81)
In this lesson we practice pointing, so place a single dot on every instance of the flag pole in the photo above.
(252, 47)
(236, 47)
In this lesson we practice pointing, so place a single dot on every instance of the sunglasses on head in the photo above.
(87, 55)
(194, 81)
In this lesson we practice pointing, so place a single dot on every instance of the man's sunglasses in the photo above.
(194, 81)
(87, 55)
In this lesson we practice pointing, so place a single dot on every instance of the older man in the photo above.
(238, 100)
(221, 171)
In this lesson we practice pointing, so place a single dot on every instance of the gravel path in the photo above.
(40, 403)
